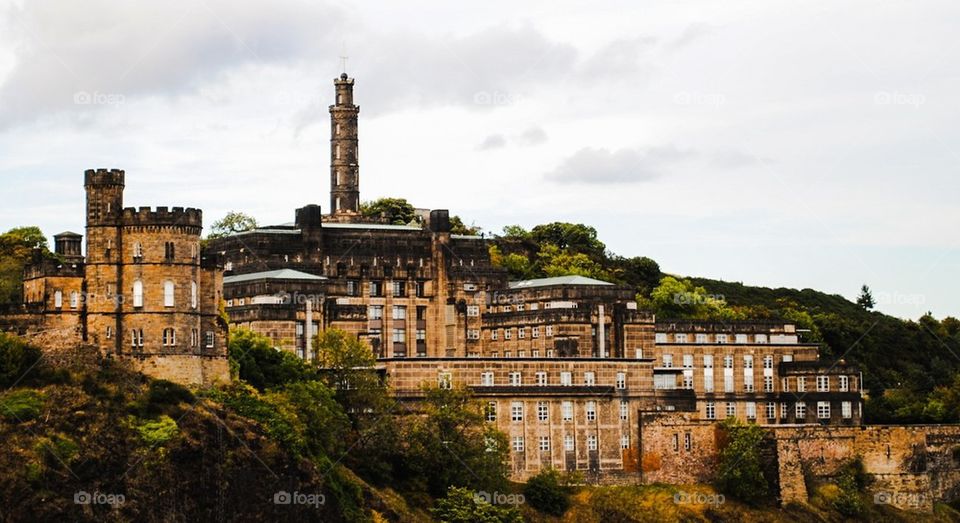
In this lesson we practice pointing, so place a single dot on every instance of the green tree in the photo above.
(262, 365)
(548, 493)
(740, 470)
(16, 248)
(232, 223)
(517, 265)
(865, 299)
(573, 237)
(449, 444)
(348, 366)
(463, 506)
(554, 261)
(397, 211)
(17, 360)
(675, 298)
(458, 227)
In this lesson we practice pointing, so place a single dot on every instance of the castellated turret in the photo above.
(145, 292)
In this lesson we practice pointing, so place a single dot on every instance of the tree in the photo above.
(548, 493)
(462, 506)
(397, 211)
(347, 365)
(16, 248)
(458, 227)
(675, 298)
(574, 237)
(740, 471)
(556, 262)
(865, 300)
(262, 365)
(232, 223)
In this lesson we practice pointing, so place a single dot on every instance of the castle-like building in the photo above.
(566, 366)
(145, 292)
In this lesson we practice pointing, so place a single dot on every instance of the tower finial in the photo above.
(343, 57)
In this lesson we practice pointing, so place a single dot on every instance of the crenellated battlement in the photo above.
(142, 216)
(93, 177)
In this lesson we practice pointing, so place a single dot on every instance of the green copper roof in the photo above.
(572, 279)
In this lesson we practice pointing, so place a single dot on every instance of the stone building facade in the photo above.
(567, 367)
(144, 291)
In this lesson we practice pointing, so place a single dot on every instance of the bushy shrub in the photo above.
(156, 432)
(740, 471)
(21, 405)
(462, 505)
(548, 492)
(263, 366)
(17, 359)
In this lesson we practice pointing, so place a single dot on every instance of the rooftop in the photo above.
(572, 279)
(281, 274)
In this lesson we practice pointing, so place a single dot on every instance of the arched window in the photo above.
(138, 293)
(193, 295)
(169, 337)
(74, 299)
(58, 299)
(168, 294)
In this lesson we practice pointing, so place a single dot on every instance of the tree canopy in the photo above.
(232, 223)
(397, 211)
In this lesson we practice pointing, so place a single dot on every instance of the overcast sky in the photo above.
(798, 144)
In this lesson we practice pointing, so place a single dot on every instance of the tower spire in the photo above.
(344, 168)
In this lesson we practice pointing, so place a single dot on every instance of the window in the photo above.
(138, 293)
(566, 410)
(353, 288)
(740, 338)
(591, 411)
(760, 338)
(518, 443)
(751, 409)
(543, 411)
(375, 312)
(535, 332)
(194, 295)
(624, 410)
(473, 310)
(768, 384)
(136, 338)
(687, 441)
(508, 334)
(399, 312)
(748, 382)
(728, 361)
(846, 409)
(494, 334)
(721, 338)
(566, 378)
(541, 379)
(771, 411)
(193, 251)
(169, 337)
(711, 410)
(680, 338)
(592, 442)
(708, 361)
(194, 338)
(668, 360)
(708, 380)
(844, 383)
(768, 362)
(544, 443)
(58, 299)
(731, 409)
(549, 330)
(748, 362)
(621, 380)
(661, 337)
(823, 409)
(823, 383)
(168, 251)
(801, 411)
(491, 411)
(399, 335)
(516, 411)
(444, 380)
(210, 340)
(137, 251)
(521, 333)
(399, 289)
(568, 442)
(473, 334)
(700, 338)
(625, 441)
(74, 299)
(515, 379)
(520, 307)
(486, 379)
(376, 288)
(421, 289)
(589, 379)
(168, 295)
(688, 361)
(109, 332)
(801, 384)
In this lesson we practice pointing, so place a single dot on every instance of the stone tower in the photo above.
(103, 261)
(344, 171)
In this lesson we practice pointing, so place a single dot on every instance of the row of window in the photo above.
(662, 337)
(398, 288)
(800, 410)
(822, 383)
(707, 361)
(541, 379)
(521, 307)
(169, 251)
(168, 338)
(169, 295)
(543, 411)
(521, 333)
(569, 443)
(398, 312)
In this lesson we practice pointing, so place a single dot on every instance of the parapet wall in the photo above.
(146, 216)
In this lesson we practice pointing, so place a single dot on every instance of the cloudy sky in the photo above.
(809, 144)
